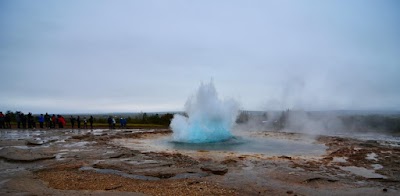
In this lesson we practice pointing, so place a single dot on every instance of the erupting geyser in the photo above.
(209, 118)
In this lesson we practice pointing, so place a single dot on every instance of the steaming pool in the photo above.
(264, 145)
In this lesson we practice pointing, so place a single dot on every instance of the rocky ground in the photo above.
(95, 162)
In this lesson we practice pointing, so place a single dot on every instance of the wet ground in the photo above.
(146, 162)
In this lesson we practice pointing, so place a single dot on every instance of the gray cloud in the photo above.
(132, 55)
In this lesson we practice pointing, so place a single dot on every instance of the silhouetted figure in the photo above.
(72, 120)
(29, 120)
(2, 121)
(47, 120)
(84, 123)
(7, 119)
(18, 119)
(33, 122)
(41, 121)
(61, 121)
(109, 121)
(78, 120)
(23, 120)
(91, 122)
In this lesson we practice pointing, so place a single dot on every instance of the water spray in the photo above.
(209, 118)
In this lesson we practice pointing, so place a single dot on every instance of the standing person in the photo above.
(2, 119)
(61, 121)
(47, 120)
(72, 120)
(84, 123)
(33, 122)
(109, 120)
(29, 120)
(18, 119)
(121, 122)
(125, 122)
(8, 120)
(113, 123)
(91, 122)
(53, 121)
(78, 120)
(41, 121)
(23, 120)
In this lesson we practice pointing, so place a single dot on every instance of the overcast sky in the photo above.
(132, 56)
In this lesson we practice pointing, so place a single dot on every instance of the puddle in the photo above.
(98, 132)
(339, 159)
(372, 156)
(189, 175)
(60, 156)
(20, 134)
(7, 171)
(76, 144)
(360, 171)
(141, 162)
(377, 166)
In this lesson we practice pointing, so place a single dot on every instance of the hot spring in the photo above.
(207, 126)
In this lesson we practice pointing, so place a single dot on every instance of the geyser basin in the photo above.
(242, 145)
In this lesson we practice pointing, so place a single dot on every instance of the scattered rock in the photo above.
(320, 179)
(113, 187)
(214, 169)
(38, 141)
(80, 137)
(35, 142)
(193, 182)
(162, 175)
(285, 157)
(17, 154)
(384, 190)
(229, 162)
(289, 192)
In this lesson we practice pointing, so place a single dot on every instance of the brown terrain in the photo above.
(119, 162)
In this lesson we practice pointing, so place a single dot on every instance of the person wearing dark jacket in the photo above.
(109, 120)
(2, 121)
(18, 119)
(23, 120)
(78, 120)
(72, 120)
(91, 122)
(47, 120)
(7, 119)
(29, 120)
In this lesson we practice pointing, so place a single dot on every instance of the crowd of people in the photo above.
(5, 121)
(24, 121)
